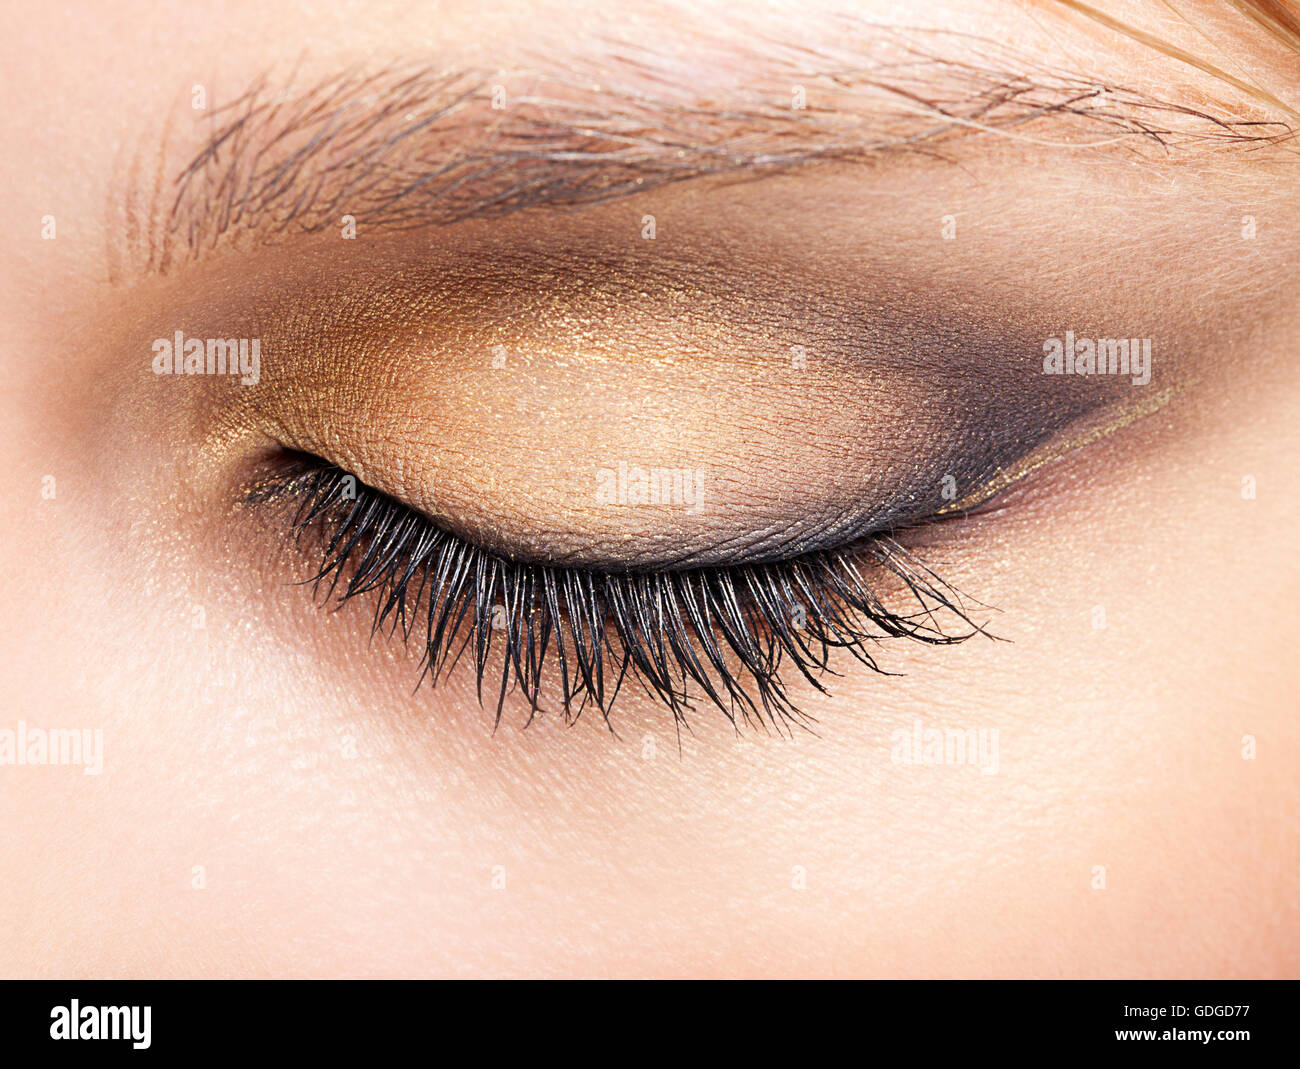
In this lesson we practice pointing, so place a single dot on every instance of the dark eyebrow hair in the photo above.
(414, 145)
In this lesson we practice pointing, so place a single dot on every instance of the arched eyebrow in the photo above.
(416, 145)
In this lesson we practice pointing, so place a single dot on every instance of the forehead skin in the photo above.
(1121, 745)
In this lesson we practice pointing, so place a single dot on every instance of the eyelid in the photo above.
(394, 374)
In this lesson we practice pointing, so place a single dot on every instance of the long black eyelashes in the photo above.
(576, 637)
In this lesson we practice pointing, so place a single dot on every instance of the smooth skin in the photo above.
(276, 801)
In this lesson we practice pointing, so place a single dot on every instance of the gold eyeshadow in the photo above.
(617, 409)
(746, 387)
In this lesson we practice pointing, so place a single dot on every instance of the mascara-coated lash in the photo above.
(578, 636)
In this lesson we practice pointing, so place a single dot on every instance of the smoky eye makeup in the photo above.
(730, 636)
(605, 409)
(571, 466)
(678, 507)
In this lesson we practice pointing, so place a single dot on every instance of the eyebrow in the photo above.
(416, 145)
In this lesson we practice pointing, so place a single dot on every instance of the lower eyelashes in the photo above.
(730, 637)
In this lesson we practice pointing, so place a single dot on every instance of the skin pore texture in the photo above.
(276, 797)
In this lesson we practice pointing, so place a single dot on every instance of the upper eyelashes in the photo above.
(567, 638)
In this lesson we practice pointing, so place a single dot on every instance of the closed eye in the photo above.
(471, 428)
(570, 638)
